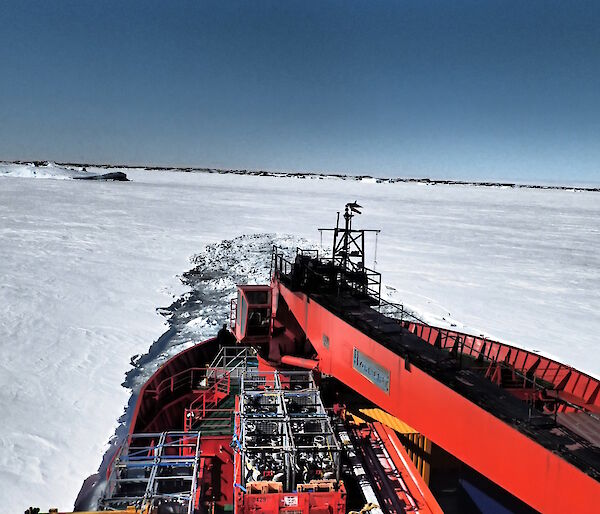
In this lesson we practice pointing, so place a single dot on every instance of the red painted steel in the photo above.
(299, 362)
(216, 473)
(537, 476)
(147, 408)
(574, 386)
(333, 502)
(162, 401)
(207, 399)
(417, 487)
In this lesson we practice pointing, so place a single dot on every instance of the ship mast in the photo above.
(348, 250)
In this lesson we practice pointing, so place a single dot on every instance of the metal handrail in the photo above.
(232, 314)
(214, 389)
(371, 287)
(535, 383)
(178, 380)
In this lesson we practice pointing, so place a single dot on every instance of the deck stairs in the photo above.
(215, 388)
(207, 410)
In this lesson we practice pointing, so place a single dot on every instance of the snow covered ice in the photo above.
(85, 265)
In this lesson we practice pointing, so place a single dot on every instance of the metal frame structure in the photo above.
(324, 276)
(381, 462)
(348, 254)
(284, 426)
(235, 359)
(343, 272)
(153, 469)
(221, 376)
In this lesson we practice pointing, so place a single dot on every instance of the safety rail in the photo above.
(232, 314)
(490, 353)
(217, 390)
(313, 253)
(191, 378)
(329, 275)
(553, 382)
(235, 359)
(364, 282)
(527, 369)
(114, 458)
(397, 311)
(221, 420)
(279, 264)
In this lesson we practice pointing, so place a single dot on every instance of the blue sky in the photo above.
(461, 89)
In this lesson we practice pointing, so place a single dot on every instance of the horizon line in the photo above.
(266, 172)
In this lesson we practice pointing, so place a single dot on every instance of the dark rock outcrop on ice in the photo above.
(118, 176)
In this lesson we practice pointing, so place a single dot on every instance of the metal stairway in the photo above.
(218, 387)
(221, 378)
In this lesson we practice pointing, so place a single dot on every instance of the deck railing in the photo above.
(572, 389)
(190, 379)
(330, 276)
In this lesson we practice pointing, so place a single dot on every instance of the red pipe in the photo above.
(299, 362)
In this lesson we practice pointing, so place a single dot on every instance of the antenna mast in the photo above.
(348, 254)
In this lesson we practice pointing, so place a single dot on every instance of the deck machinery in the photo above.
(323, 398)
(289, 457)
